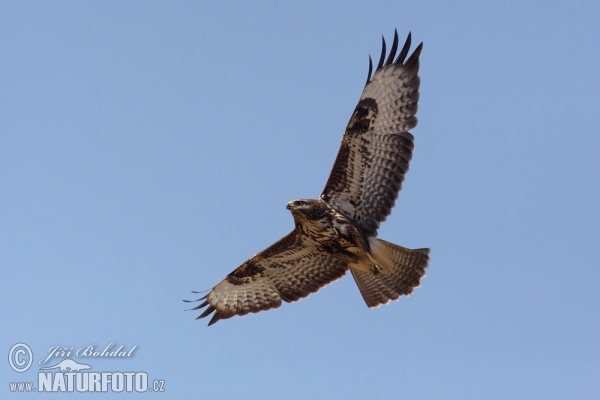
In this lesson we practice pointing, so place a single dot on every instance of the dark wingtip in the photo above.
(207, 312)
(215, 318)
(383, 62)
(404, 51)
(193, 301)
(201, 305)
(390, 58)
(380, 64)
(205, 303)
(414, 57)
(370, 71)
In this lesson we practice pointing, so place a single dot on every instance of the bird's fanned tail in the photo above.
(403, 270)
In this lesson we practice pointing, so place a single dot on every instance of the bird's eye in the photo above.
(299, 203)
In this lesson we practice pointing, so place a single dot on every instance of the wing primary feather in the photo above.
(214, 318)
(206, 312)
(404, 51)
(201, 305)
(382, 54)
(370, 71)
(414, 57)
(390, 58)
(193, 301)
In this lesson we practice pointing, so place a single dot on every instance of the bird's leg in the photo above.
(375, 267)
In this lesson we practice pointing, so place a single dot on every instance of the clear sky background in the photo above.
(149, 148)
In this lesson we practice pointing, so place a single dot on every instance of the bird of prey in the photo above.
(337, 232)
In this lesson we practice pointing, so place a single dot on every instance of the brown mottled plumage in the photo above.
(337, 231)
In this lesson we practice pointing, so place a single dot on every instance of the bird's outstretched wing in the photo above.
(376, 148)
(289, 270)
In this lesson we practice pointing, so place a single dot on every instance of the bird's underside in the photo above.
(337, 232)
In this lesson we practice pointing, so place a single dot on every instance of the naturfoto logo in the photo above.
(69, 375)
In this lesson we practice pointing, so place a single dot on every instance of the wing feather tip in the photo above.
(370, 70)
(404, 52)
(414, 57)
(215, 318)
(382, 57)
(390, 59)
(207, 312)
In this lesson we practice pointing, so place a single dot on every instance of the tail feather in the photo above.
(403, 270)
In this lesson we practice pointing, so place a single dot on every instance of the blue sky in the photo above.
(149, 148)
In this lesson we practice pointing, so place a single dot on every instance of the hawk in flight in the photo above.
(337, 232)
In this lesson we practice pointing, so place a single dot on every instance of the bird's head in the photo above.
(301, 206)
(304, 210)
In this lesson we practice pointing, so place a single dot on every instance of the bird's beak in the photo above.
(289, 206)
